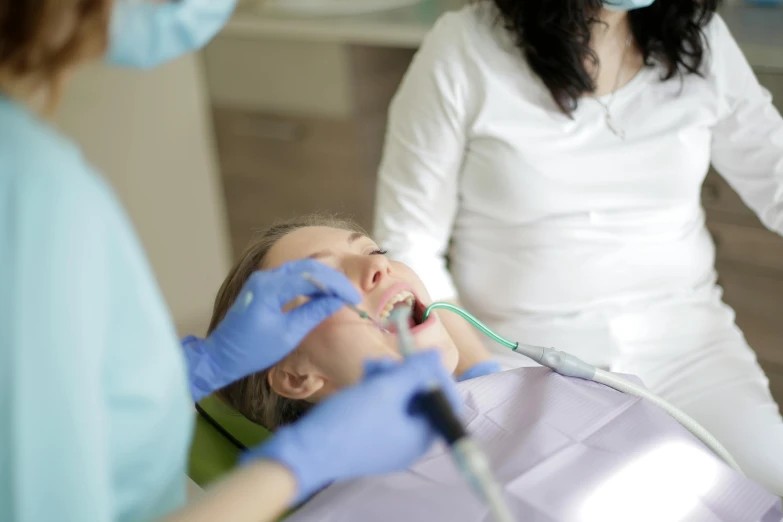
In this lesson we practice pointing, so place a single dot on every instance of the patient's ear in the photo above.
(296, 378)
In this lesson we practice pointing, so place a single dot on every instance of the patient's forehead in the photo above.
(307, 241)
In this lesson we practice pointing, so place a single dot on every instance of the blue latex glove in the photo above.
(368, 429)
(481, 369)
(256, 333)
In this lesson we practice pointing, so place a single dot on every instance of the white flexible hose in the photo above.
(625, 386)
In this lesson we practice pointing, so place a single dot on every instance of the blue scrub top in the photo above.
(95, 414)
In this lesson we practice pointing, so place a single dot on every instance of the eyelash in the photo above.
(379, 252)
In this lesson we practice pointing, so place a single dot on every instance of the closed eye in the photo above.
(379, 252)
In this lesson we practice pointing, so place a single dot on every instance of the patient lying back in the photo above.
(331, 357)
(564, 449)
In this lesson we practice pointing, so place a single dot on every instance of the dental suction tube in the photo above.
(571, 366)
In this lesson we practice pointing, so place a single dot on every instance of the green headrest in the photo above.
(212, 453)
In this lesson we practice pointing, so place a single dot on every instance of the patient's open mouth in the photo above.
(401, 298)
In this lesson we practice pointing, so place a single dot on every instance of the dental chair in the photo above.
(220, 437)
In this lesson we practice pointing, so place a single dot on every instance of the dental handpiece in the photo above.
(435, 406)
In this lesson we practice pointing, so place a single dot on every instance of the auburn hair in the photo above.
(41, 40)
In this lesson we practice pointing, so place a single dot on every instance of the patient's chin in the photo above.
(440, 341)
(450, 357)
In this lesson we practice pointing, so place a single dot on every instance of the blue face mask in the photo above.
(145, 34)
(627, 5)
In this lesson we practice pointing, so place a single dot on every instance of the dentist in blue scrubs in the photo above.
(96, 392)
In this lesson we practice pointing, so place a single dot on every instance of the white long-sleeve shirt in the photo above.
(551, 215)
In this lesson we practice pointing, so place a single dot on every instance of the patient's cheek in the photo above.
(449, 357)
(412, 277)
(331, 337)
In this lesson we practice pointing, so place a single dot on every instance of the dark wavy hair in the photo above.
(554, 36)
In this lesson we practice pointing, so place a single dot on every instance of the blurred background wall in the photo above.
(150, 134)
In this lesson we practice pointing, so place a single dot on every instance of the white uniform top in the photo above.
(550, 215)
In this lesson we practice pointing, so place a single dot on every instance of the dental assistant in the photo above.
(96, 411)
(553, 152)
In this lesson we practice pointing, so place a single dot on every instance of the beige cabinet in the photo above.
(150, 135)
(299, 127)
(750, 264)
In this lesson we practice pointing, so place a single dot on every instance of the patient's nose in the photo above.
(373, 271)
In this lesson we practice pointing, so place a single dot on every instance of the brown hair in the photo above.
(252, 396)
(41, 40)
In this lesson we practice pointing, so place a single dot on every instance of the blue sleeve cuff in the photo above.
(202, 379)
(480, 370)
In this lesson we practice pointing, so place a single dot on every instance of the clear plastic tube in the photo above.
(472, 320)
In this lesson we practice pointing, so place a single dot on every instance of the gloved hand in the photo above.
(364, 430)
(256, 333)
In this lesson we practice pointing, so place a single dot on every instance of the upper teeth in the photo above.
(403, 297)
